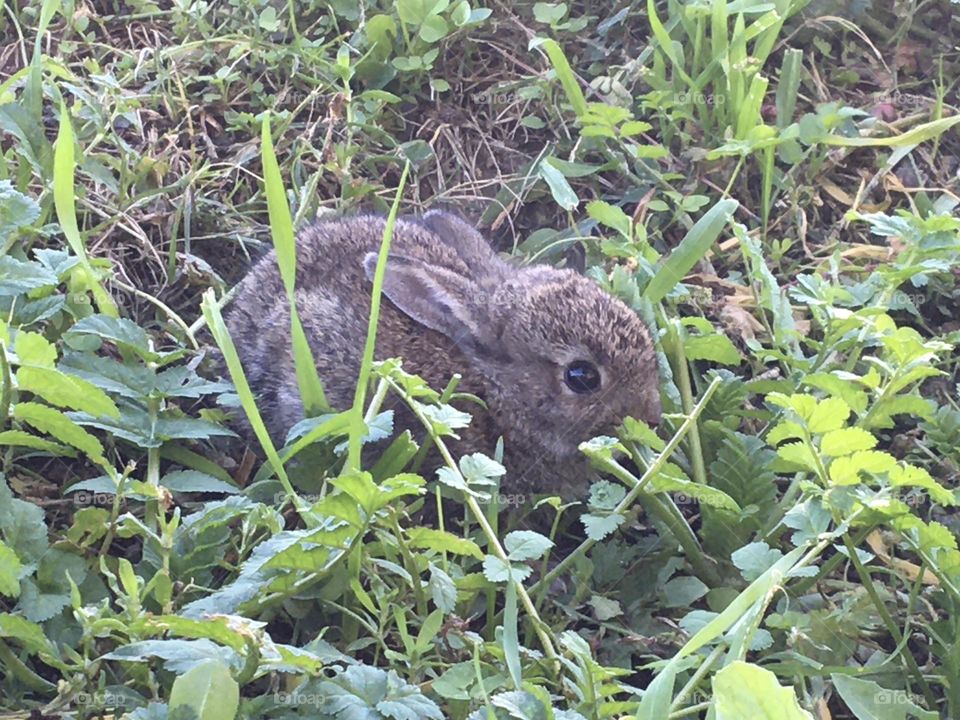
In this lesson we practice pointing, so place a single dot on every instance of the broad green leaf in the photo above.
(208, 690)
(691, 249)
(16, 210)
(18, 277)
(869, 701)
(559, 187)
(611, 216)
(434, 29)
(742, 690)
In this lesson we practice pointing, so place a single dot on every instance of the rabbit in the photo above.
(555, 359)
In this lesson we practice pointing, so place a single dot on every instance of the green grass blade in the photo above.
(357, 427)
(788, 86)
(64, 200)
(914, 136)
(211, 311)
(748, 116)
(666, 44)
(285, 246)
(693, 247)
(33, 89)
(565, 74)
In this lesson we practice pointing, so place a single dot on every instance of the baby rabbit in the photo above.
(555, 358)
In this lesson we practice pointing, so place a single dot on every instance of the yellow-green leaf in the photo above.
(34, 349)
(64, 201)
(846, 470)
(53, 422)
(19, 438)
(423, 538)
(63, 390)
(830, 414)
(846, 441)
(742, 690)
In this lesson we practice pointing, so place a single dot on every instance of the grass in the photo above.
(771, 187)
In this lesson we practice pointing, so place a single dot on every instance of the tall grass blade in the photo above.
(357, 426)
(565, 74)
(666, 44)
(33, 89)
(914, 136)
(694, 246)
(788, 86)
(211, 312)
(285, 245)
(64, 200)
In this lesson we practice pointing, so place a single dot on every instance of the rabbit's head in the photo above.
(560, 359)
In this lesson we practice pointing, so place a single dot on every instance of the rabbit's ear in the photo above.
(470, 245)
(433, 296)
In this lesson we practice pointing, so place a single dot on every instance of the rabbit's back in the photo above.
(333, 303)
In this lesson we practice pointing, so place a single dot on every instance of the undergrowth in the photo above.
(771, 186)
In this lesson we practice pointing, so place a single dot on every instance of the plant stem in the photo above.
(888, 621)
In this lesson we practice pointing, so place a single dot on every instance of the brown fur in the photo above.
(509, 330)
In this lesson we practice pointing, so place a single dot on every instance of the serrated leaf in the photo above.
(194, 481)
(66, 391)
(846, 441)
(785, 430)
(755, 559)
(443, 591)
(830, 414)
(598, 527)
(19, 438)
(423, 538)
(912, 476)
(123, 332)
(21, 277)
(55, 423)
(846, 470)
(799, 455)
(34, 349)
(523, 545)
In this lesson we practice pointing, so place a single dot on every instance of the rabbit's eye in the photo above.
(582, 377)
